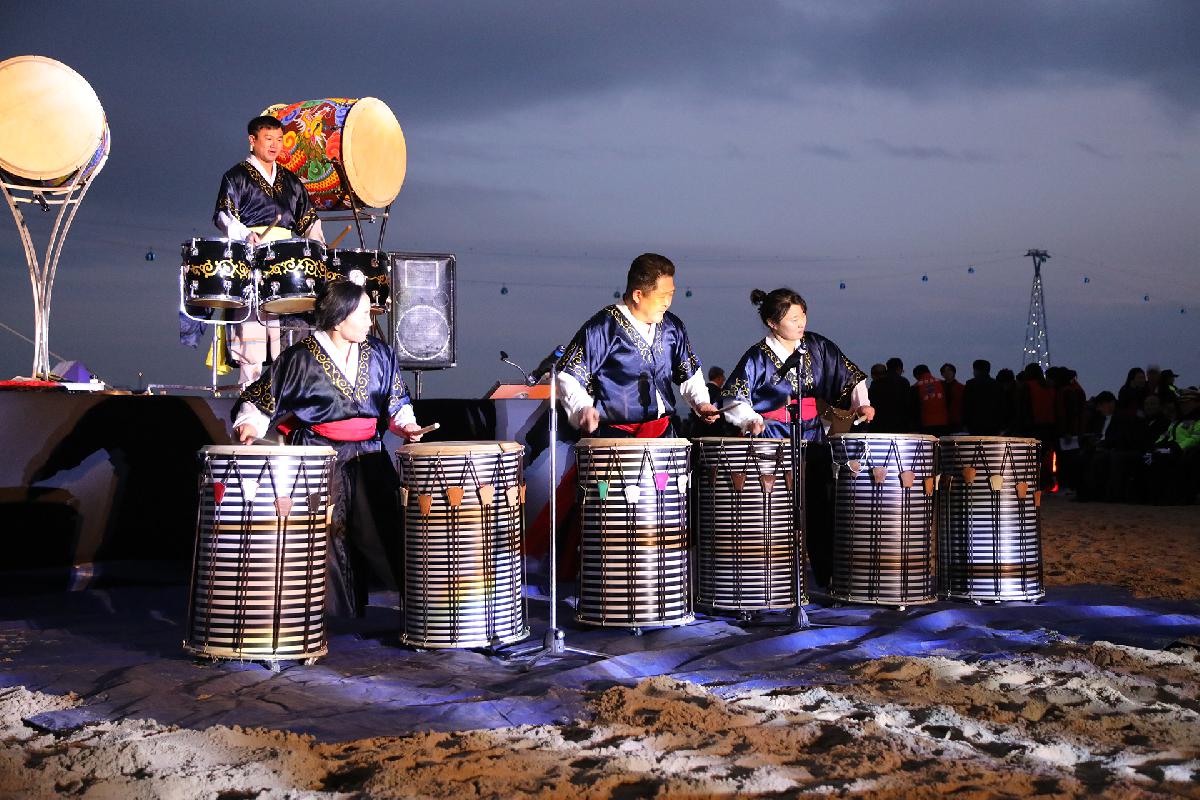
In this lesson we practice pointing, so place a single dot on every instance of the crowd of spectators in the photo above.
(1140, 445)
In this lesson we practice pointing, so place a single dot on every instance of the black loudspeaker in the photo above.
(423, 309)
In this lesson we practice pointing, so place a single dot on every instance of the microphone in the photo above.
(546, 365)
(792, 362)
(524, 374)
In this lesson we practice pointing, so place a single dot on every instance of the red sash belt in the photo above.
(357, 429)
(808, 410)
(646, 430)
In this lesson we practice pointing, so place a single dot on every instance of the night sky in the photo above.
(757, 145)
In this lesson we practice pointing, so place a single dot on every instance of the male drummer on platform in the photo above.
(253, 195)
(615, 378)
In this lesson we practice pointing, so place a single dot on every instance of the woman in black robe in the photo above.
(341, 388)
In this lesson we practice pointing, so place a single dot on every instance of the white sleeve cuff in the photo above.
(231, 227)
(404, 416)
(248, 414)
(315, 231)
(573, 397)
(859, 396)
(695, 390)
(741, 414)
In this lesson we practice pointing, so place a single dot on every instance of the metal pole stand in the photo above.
(41, 275)
(555, 642)
(799, 528)
(214, 388)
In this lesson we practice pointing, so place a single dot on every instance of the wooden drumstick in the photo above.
(340, 236)
(270, 228)
(430, 428)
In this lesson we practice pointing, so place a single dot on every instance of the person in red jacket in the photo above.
(954, 397)
(930, 401)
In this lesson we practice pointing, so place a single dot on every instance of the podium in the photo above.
(519, 391)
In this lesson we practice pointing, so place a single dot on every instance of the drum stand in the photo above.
(41, 275)
(216, 390)
(555, 642)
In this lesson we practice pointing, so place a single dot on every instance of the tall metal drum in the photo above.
(745, 536)
(633, 553)
(464, 532)
(883, 518)
(258, 573)
(989, 519)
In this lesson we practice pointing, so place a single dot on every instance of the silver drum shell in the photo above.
(464, 570)
(745, 544)
(633, 555)
(883, 530)
(990, 539)
(258, 573)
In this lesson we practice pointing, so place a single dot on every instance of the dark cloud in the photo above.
(460, 60)
(932, 153)
(827, 151)
(1097, 152)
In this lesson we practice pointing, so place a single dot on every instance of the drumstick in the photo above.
(270, 227)
(430, 428)
(340, 236)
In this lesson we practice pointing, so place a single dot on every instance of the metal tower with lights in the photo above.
(1037, 340)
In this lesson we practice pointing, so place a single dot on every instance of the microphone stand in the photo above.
(555, 641)
(799, 528)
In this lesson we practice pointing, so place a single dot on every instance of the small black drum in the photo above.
(216, 273)
(883, 518)
(291, 272)
(745, 534)
(989, 524)
(633, 554)
(367, 268)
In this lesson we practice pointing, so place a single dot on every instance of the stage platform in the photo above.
(100, 489)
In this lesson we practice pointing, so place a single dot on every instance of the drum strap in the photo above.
(646, 430)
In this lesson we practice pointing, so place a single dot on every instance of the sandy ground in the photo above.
(1069, 720)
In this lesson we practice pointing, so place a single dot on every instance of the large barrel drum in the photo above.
(989, 522)
(633, 555)
(464, 531)
(745, 536)
(361, 136)
(258, 574)
(883, 518)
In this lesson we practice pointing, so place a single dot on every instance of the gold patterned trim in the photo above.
(572, 363)
(690, 364)
(305, 221)
(738, 389)
(358, 392)
(226, 204)
(272, 189)
(857, 376)
(259, 395)
(647, 349)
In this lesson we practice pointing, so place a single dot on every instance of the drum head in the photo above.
(631, 443)
(51, 122)
(373, 152)
(260, 450)
(459, 448)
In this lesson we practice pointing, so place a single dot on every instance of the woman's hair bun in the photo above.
(757, 296)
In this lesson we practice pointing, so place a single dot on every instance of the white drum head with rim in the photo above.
(373, 152)
(51, 121)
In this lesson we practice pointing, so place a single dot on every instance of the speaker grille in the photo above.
(423, 309)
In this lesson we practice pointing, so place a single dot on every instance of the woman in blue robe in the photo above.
(787, 362)
(341, 388)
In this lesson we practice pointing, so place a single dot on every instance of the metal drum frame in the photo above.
(463, 543)
(745, 537)
(883, 518)
(989, 519)
(258, 571)
(633, 552)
